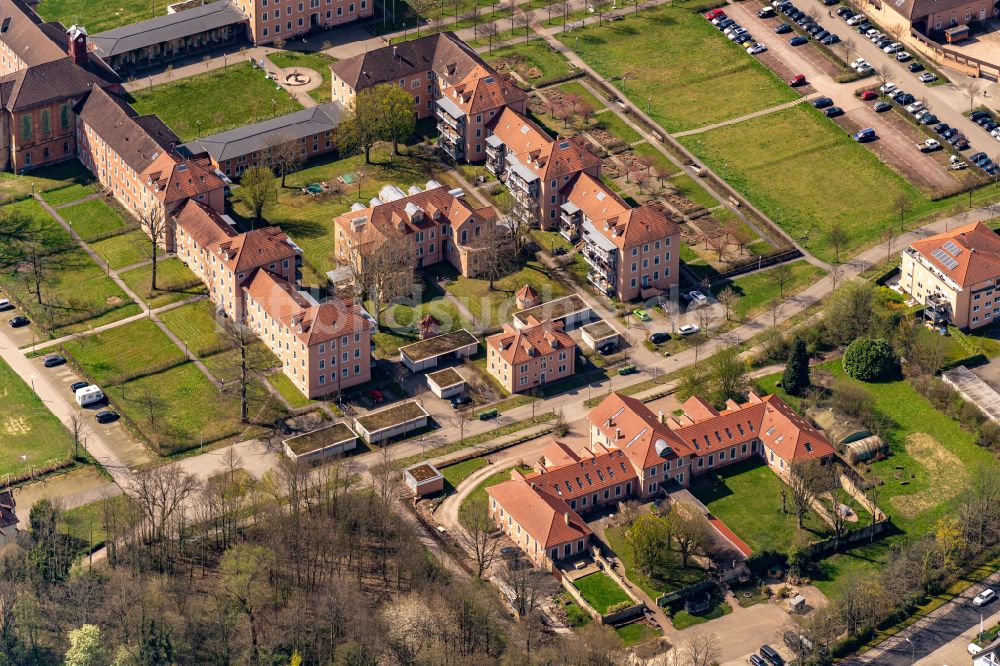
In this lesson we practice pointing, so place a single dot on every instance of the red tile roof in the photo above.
(547, 157)
(204, 225)
(519, 346)
(483, 89)
(254, 249)
(546, 517)
(977, 258)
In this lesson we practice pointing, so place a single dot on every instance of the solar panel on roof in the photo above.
(954, 249)
(944, 258)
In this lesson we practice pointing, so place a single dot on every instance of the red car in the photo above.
(714, 13)
(377, 397)
(869, 95)
(797, 80)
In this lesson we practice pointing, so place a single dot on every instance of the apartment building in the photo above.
(136, 160)
(632, 252)
(437, 224)
(323, 348)
(224, 260)
(636, 454)
(524, 358)
(466, 110)
(955, 275)
(270, 20)
(535, 166)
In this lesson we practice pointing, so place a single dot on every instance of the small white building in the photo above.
(398, 419)
(424, 479)
(598, 334)
(446, 383)
(571, 310)
(427, 353)
(321, 444)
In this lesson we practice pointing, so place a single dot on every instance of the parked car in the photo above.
(18, 321)
(76, 386)
(821, 36)
(831, 39)
(814, 29)
(894, 47)
(883, 42)
(755, 660)
(771, 655)
(766, 12)
(782, 28)
(950, 132)
(822, 102)
(641, 314)
(797, 80)
(857, 61)
(659, 338)
(756, 48)
(881, 107)
(845, 13)
(798, 40)
(744, 38)
(865, 69)
(905, 99)
(977, 158)
(867, 134)
(460, 400)
(914, 107)
(903, 56)
(864, 27)
(927, 77)
(5, 304)
(106, 416)
(929, 145)
(984, 597)
(856, 19)
(978, 114)
(941, 128)
(53, 360)
(697, 297)
(689, 329)
(829, 3)
(607, 348)
(915, 67)
(376, 396)
(833, 112)
(868, 95)
(887, 88)
(929, 119)
(715, 13)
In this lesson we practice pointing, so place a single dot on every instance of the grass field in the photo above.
(399, 320)
(42, 179)
(113, 355)
(30, 435)
(747, 498)
(192, 108)
(226, 365)
(534, 57)
(459, 472)
(669, 577)
(478, 497)
(99, 15)
(693, 78)
(318, 62)
(682, 619)
(86, 522)
(292, 395)
(174, 282)
(808, 175)
(493, 308)
(93, 219)
(125, 249)
(196, 324)
(67, 194)
(600, 591)
(758, 290)
(635, 633)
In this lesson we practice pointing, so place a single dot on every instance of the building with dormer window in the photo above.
(525, 358)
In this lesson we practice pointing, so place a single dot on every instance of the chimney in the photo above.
(394, 56)
(662, 418)
(78, 45)
(618, 433)
(566, 517)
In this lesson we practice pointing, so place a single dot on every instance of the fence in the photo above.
(760, 262)
(829, 546)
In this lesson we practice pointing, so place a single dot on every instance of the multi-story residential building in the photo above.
(632, 252)
(309, 131)
(466, 110)
(955, 275)
(44, 70)
(225, 259)
(323, 348)
(636, 454)
(270, 20)
(136, 159)
(445, 76)
(535, 166)
(437, 224)
(524, 358)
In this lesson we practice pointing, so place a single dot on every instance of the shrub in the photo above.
(620, 606)
(989, 434)
(869, 360)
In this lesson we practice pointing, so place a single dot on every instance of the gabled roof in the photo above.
(205, 226)
(542, 155)
(596, 200)
(166, 28)
(612, 218)
(547, 518)
(589, 474)
(259, 136)
(138, 143)
(639, 428)
(253, 249)
(483, 89)
(178, 179)
(47, 82)
(967, 255)
(445, 54)
(521, 345)
(25, 36)
(917, 9)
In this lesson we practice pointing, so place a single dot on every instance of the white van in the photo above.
(89, 395)
(5, 304)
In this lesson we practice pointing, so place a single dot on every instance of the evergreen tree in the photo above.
(796, 377)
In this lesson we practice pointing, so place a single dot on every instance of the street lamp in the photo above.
(913, 650)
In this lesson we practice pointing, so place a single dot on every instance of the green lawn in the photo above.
(86, 522)
(123, 352)
(398, 325)
(635, 633)
(93, 219)
(179, 409)
(683, 619)
(758, 290)
(807, 174)
(174, 282)
(192, 108)
(493, 308)
(126, 249)
(692, 78)
(533, 61)
(67, 194)
(30, 435)
(283, 385)
(42, 179)
(226, 365)
(99, 15)
(668, 577)
(197, 325)
(600, 591)
(50, 234)
(747, 498)
(318, 62)
(459, 472)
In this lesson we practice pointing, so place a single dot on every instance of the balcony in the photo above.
(445, 118)
(602, 284)
(569, 231)
(598, 266)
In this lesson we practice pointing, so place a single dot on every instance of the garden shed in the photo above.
(839, 428)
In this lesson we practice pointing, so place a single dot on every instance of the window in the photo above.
(26, 127)
(46, 121)
(64, 116)
(652, 487)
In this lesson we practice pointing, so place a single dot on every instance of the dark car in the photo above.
(814, 29)
(822, 102)
(864, 27)
(881, 107)
(941, 128)
(822, 35)
(106, 416)
(756, 661)
(782, 28)
(884, 42)
(978, 157)
(18, 321)
(460, 400)
(961, 144)
(795, 15)
(53, 361)
(828, 3)
(659, 338)
(989, 126)
(766, 12)
(979, 113)
(798, 40)
(905, 99)
(376, 396)
(929, 119)
(607, 348)
(771, 655)
(803, 20)
(831, 39)
(915, 67)
(76, 386)
(950, 132)
(845, 13)
(745, 37)
(722, 25)
(833, 112)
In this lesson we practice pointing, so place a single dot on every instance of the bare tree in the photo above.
(382, 268)
(284, 155)
(699, 649)
(729, 299)
(689, 530)
(904, 206)
(251, 364)
(780, 275)
(524, 19)
(258, 189)
(479, 535)
(850, 48)
(490, 30)
(837, 237)
(36, 272)
(805, 480)
(161, 496)
(492, 251)
(78, 430)
(972, 90)
(421, 8)
(153, 222)
(525, 585)
(888, 235)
